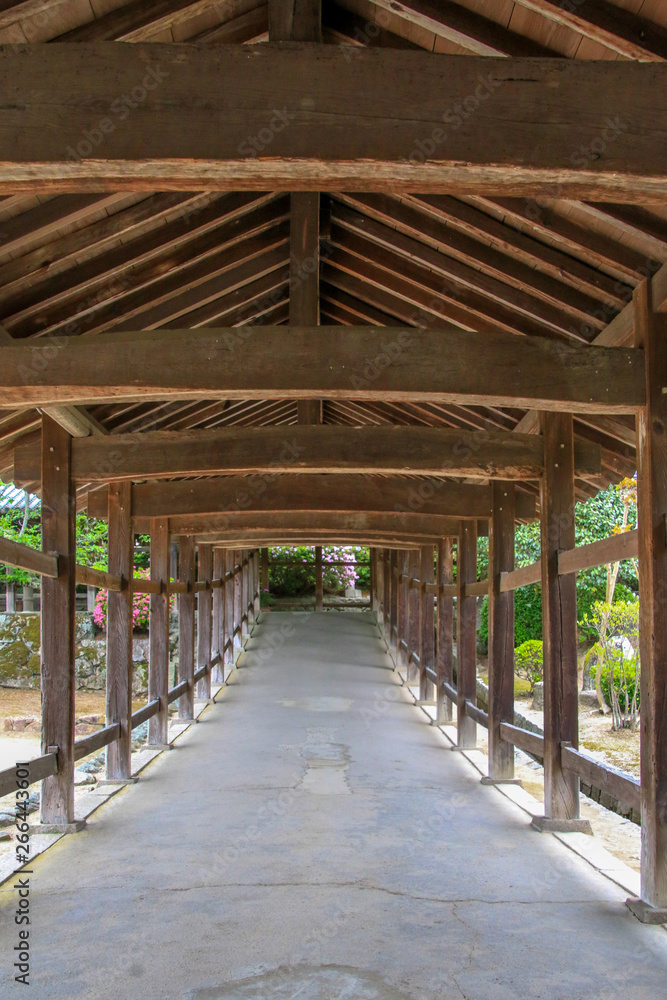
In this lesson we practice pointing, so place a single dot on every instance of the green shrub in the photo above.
(527, 616)
(529, 661)
(624, 675)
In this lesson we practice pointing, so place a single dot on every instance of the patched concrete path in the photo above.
(313, 837)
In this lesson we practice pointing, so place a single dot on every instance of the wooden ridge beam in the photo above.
(389, 523)
(376, 119)
(385, 450)
(324, 362)
(310, 493)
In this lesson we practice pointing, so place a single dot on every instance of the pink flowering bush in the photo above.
(295, 580)
(140, 607)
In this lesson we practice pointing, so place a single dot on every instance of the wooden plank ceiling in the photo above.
(75, 264)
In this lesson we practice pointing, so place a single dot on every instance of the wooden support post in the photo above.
(559, 626)
(445, 651)
(501, 631)
(427, 623)
(10, 597)
(57, 623)
(238, 593)
(256, 590)
(229, 563)
(186, 626)
(244, 592)
(651, 335)
(379, 583)
(319, 579)
(372, 575)
(386, 608)
(414, 564)
(218, 626)
(393, 609)
(265, 571)
(91, 597)
(158, 656)
(205, 620)
(466, 636)
(119, 632)
(28, 598)
(404, 567)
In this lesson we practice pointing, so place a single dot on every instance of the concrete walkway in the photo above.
(313, 837)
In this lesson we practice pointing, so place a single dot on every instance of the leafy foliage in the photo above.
(617, 657)
(529, 662)
(297, 580)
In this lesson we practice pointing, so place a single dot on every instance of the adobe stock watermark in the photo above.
(255, 144)
(119, 109)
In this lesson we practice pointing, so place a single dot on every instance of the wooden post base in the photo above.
(74, 827)
(488, 780)
(544, 824)
(118, 781)
(645, 912)
(158, 746)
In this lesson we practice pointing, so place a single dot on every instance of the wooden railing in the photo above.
(386, 573)
(44, 564)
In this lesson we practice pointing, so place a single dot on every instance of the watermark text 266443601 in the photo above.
(21, 948)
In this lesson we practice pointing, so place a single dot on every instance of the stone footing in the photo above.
(546, 825)
(645, 912)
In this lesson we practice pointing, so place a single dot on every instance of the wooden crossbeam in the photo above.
(446, 365)
(384, 450)
(374, 119)
(387, 523)
(310, 493)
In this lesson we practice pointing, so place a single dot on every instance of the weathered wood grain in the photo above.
(501, 629)
(158, 656)
(119, 631)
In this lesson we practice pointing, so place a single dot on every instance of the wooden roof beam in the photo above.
(446, 365)
(384, 450)
(396, 134)
(303, 492)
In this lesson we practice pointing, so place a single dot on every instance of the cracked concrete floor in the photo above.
(313, 837)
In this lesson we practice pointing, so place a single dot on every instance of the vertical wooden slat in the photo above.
(158, 657)
(319, 579)
(466, 635)
(413, 613)
(205, 620)
(244, 591)
(229, 563)
(427, 623)
(238, 594)
(393, 608)
(218, 627)
(501, 630)
(445, 651)
(186, 626)
(386, 591)
(651, 335)
(119, 631)
(559, 625)
(265, 571)
(295, 20)
(57, 623)
(404, 563)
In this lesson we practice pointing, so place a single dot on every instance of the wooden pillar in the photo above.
(393, 609)
(10, 597)
(91, 597)
(372, 572)
(205, 620)
(244, 592)
(28, 597)
(229, 563)
(238, 593)
(57, 623)
(651, 335)
(559, 625)
(265, 571)
(319, 579)
(404, 567)
(119, 631)
(427, 623)
(445, 651)
(158, 656)
(186, 625)
(413, 636)
(501, 630)
(218, 609)
(466, 635)
(256, 590)
(386, 590)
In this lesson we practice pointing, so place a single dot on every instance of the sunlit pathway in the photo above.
(314, 837)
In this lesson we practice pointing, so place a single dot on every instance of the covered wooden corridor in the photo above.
(313, 836)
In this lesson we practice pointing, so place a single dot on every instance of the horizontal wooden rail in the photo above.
(609, 779)
(431, 674)
(89, 744)
(201, 673)
(450, 691)
(38, 768)
(202, 585)
(521, 577)
(476, 713)
(177, 691)
(480, 588)
(625, 545)
(145, 713)
(99, 578)
(141, 586)
(530, 742)
(31, 560)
